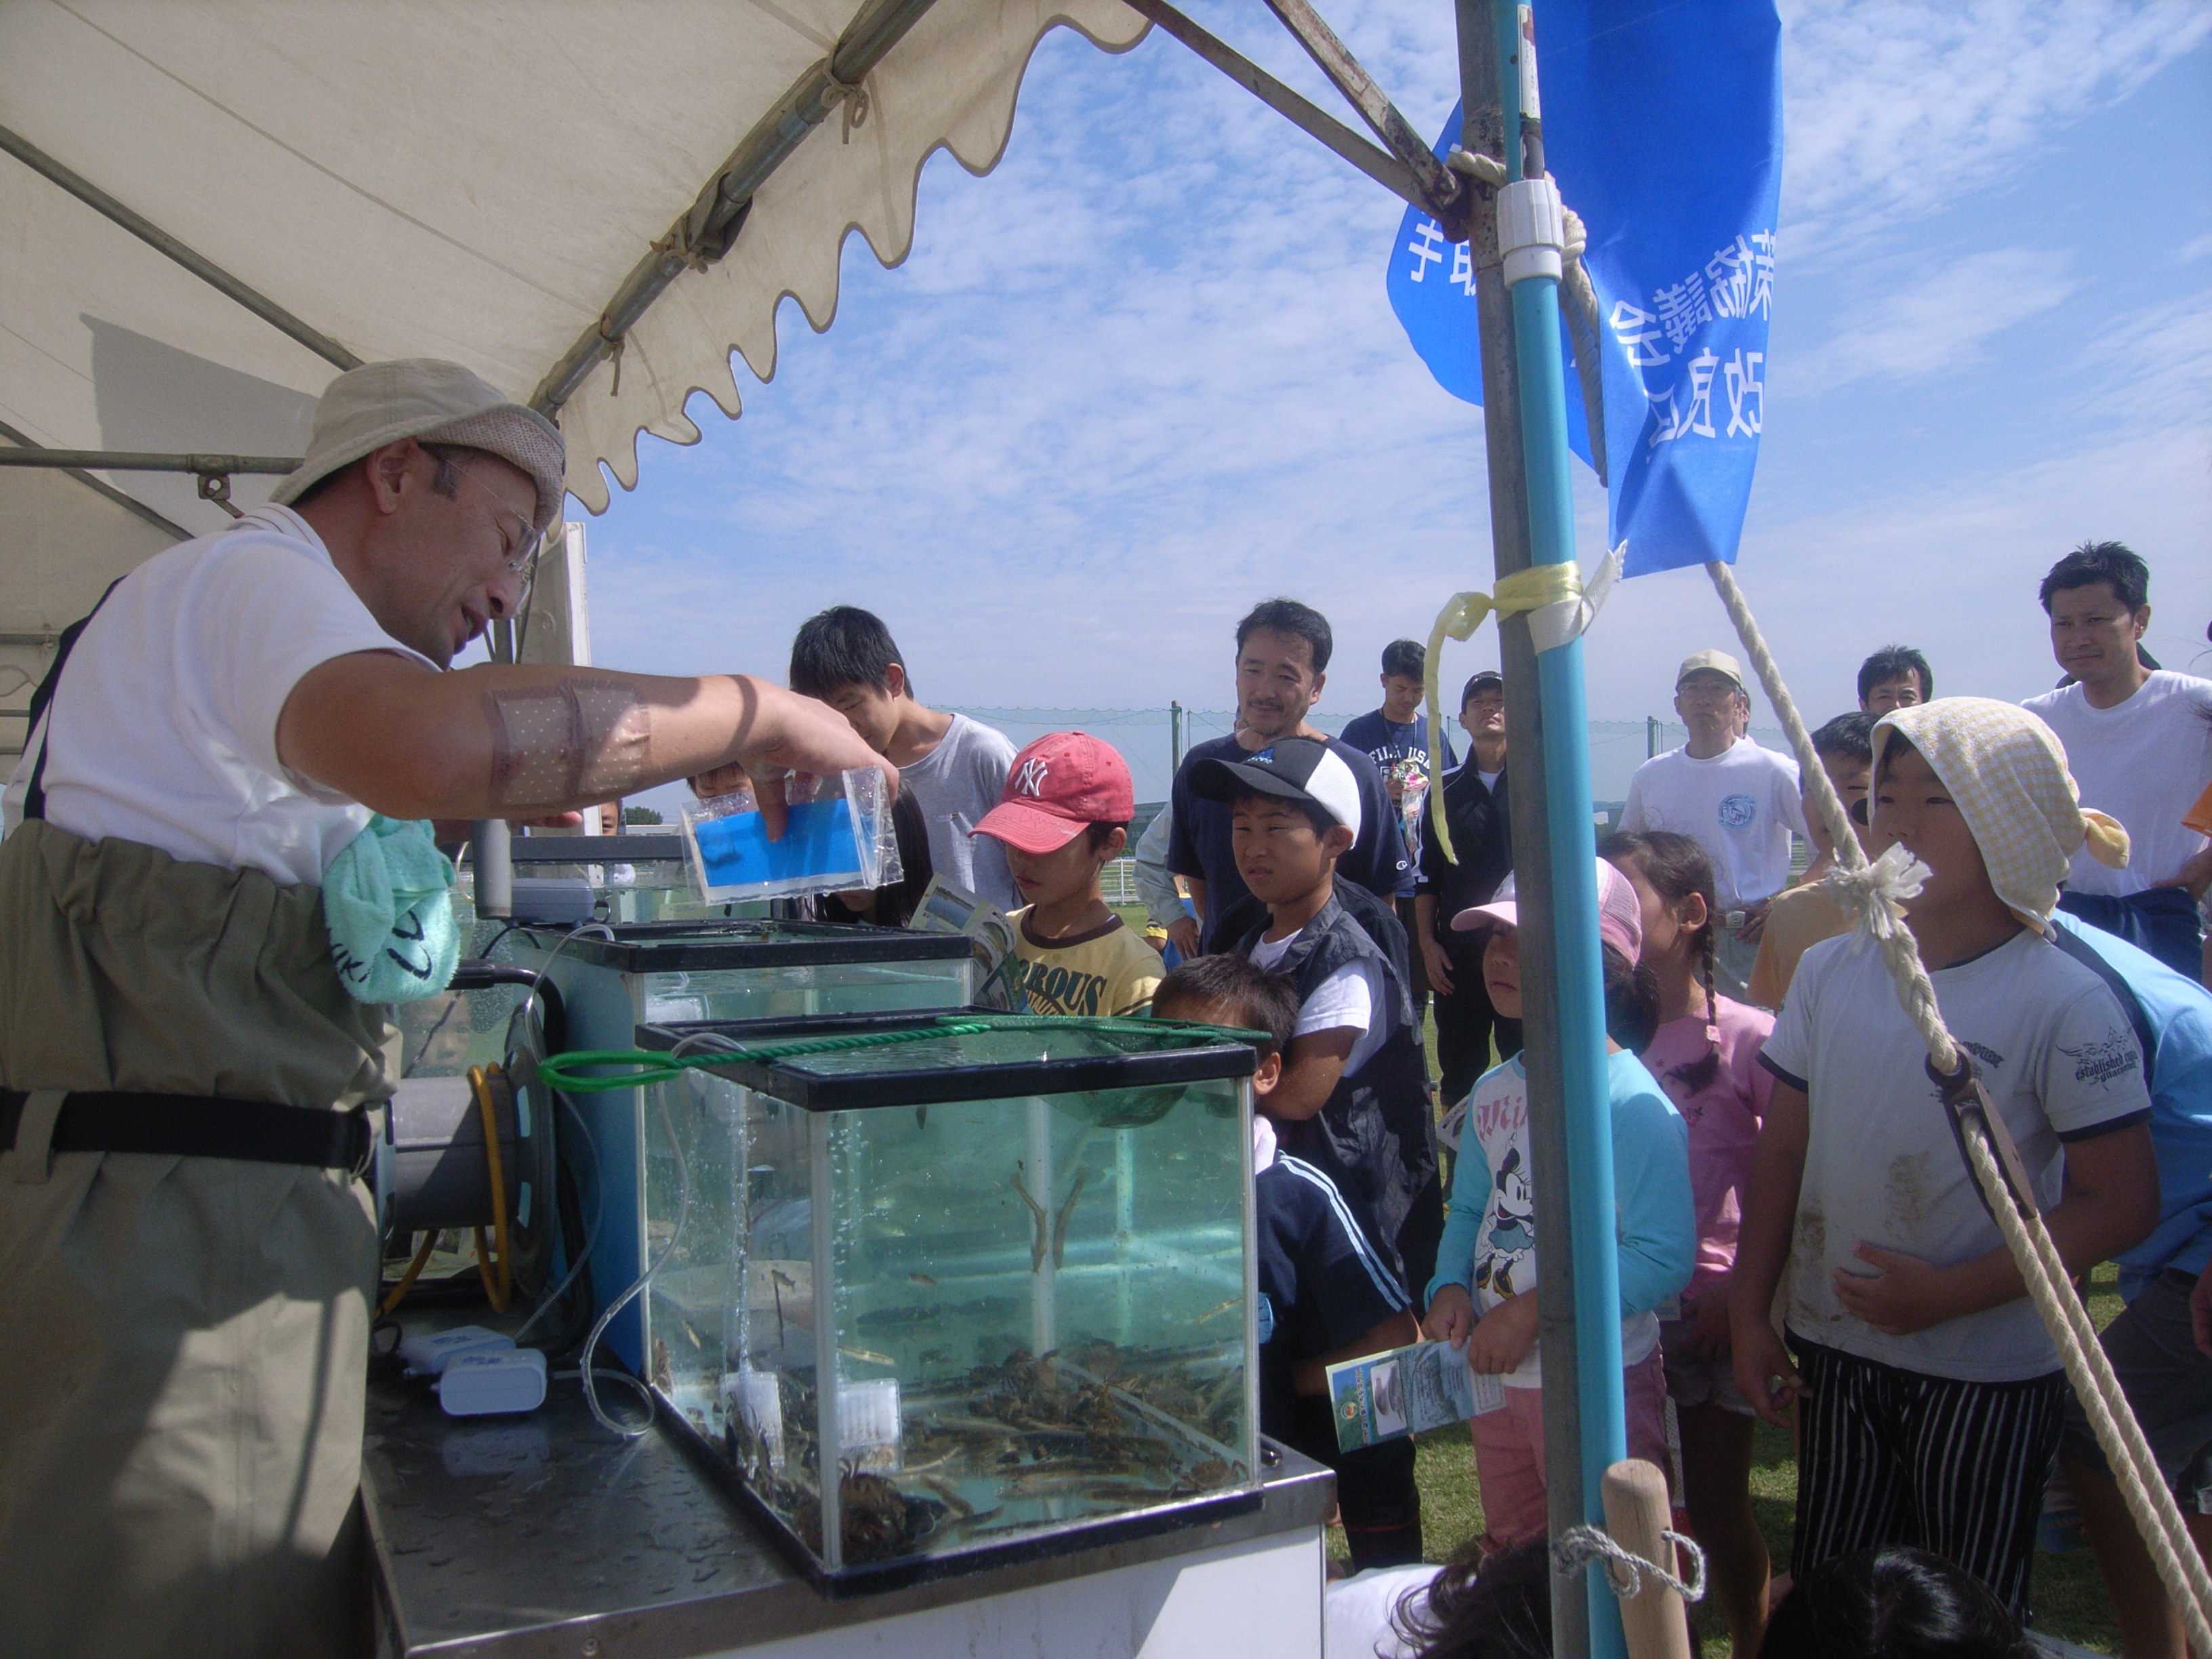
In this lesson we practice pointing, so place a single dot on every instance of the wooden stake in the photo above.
(1637, 1514)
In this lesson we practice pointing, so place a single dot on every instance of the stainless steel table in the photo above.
(547, 1535)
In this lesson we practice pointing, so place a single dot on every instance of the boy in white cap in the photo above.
(1353, 1099)
(1735, 799)
(1928, 1396)
(1066, 812)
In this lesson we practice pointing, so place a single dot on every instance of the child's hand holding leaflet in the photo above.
(1451, 1316)
(1385, 1396)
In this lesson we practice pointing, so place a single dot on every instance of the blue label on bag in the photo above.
(819, 841)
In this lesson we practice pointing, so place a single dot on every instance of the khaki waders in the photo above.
(183, 1340)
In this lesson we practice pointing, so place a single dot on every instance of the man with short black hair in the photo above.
(1895, 677)
(1395, 737)
(1282, 661)
(1481, 858)
(955, 768)
(2139, 743)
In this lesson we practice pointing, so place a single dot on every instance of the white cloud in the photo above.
(1146, 374)
(1895, 110)
(1922, 317)
(2150, 368)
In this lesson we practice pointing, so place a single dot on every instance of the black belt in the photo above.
(202, 1126)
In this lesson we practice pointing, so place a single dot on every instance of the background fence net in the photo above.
(1145, 738)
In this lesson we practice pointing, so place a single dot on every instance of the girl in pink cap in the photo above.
(1482, 1297)
(1705, 1055)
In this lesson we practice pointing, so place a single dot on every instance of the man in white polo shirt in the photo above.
(2139, 743)
(1735, 799)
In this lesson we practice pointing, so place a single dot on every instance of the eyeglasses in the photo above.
(523, 559)
(1706, 691)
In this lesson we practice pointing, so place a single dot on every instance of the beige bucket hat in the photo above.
(433, 402)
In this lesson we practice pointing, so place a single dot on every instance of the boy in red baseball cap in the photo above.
(1065, 812)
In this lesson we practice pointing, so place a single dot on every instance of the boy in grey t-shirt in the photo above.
(955, 767)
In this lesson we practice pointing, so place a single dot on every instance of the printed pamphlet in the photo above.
(1407, 1391)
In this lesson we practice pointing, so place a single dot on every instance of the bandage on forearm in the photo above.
(586, 739)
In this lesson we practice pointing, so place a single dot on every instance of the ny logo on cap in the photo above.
(1030, 781)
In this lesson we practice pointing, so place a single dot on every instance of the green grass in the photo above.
(2068, 1596)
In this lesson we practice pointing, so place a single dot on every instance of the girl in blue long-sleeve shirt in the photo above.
(1483, 1294)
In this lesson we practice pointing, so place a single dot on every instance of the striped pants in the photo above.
(1890, 1456)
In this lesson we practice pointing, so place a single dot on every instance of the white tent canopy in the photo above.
(428, 179)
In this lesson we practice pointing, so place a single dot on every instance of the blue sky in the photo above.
(1146, 374)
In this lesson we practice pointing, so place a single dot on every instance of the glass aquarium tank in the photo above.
(938, 1287)
(672, 971)
(612, 979)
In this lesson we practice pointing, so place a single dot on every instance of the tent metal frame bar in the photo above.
(705, 232)
(161, 242)
(1441, 188)
(99, 486)
(134, 460)
(213, 472)
(1394, 175)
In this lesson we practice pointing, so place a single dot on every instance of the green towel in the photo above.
(385, 903)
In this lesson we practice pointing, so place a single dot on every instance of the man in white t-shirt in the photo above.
(2139, 743)
(1735, 799)
(188, 1089)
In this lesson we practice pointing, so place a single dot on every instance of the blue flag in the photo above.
(1664, 131)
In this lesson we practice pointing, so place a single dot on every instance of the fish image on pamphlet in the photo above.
(1406, 1391)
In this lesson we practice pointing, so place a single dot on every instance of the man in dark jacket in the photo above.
(1282, 662)
(1480, 858)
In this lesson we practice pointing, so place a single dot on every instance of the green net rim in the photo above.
(583, 1071)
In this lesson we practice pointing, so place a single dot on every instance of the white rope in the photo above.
(1580, 1546)
(1871, 894)
(1868, 891)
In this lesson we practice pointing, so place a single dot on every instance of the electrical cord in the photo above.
(497, 1290)
(637, 1287)
(582, 1256)
(407, 1279)
(529, 1011)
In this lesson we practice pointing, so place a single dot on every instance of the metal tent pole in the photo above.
(1526, 720)
(1528, 216)
(704, 233)
(161, 242)
(100, 486)
(1436, 196)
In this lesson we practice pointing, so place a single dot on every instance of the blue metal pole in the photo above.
(1581, 987)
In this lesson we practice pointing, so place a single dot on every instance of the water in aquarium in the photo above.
(1035, 1307)
(756, 969)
